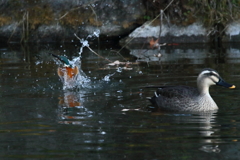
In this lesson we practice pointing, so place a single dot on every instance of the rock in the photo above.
(193, 33)
(57, 21)
(232, 33)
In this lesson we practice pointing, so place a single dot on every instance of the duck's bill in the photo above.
(221, 82)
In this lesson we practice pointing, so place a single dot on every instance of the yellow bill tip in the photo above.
(232, 87)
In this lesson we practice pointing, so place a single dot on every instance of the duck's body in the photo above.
(185, 98)
(182, 98)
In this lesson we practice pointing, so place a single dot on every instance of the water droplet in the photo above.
(120, 91)
(103, 132)
(106, 78)
(119, 69)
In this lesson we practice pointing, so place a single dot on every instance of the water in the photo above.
(39, 119)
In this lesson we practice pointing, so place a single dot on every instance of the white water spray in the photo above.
(81, 80)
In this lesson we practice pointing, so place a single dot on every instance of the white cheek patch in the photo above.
(212, 76)
(209, 81)
(215, 79)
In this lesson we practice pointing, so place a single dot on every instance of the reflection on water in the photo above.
(41, 120)
(210, 149)
(151, 55)
(71, 109)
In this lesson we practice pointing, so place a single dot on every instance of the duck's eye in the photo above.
(212, 74)
(208, 74)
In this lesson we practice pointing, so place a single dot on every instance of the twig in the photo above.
(148, 24)
(161, 20)
(97, 24)
(118, 54)
(94, 13)
(92, 49)
(25, 27)
(74, 9)
(68, 12)
(98, 54)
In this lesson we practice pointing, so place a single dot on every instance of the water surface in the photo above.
(39, 120)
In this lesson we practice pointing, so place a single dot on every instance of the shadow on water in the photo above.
(40, 119)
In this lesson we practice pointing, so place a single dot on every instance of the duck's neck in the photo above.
(206, 102)
(203, 90)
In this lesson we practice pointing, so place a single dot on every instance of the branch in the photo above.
(148, 24)
(92, 49)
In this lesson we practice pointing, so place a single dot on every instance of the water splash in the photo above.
(81, 79)
(119, 69)
(107, 77)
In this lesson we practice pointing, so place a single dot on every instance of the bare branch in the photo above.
(92, 49)
(148, 24)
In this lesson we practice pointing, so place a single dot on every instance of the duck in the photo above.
(186, 98)
(67, 71)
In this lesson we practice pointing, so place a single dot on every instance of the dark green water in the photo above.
(40, 120)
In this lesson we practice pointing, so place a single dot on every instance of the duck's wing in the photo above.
(174, 98)
(176, 91)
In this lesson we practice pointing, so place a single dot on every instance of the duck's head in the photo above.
(64, 60)
(209, 77)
